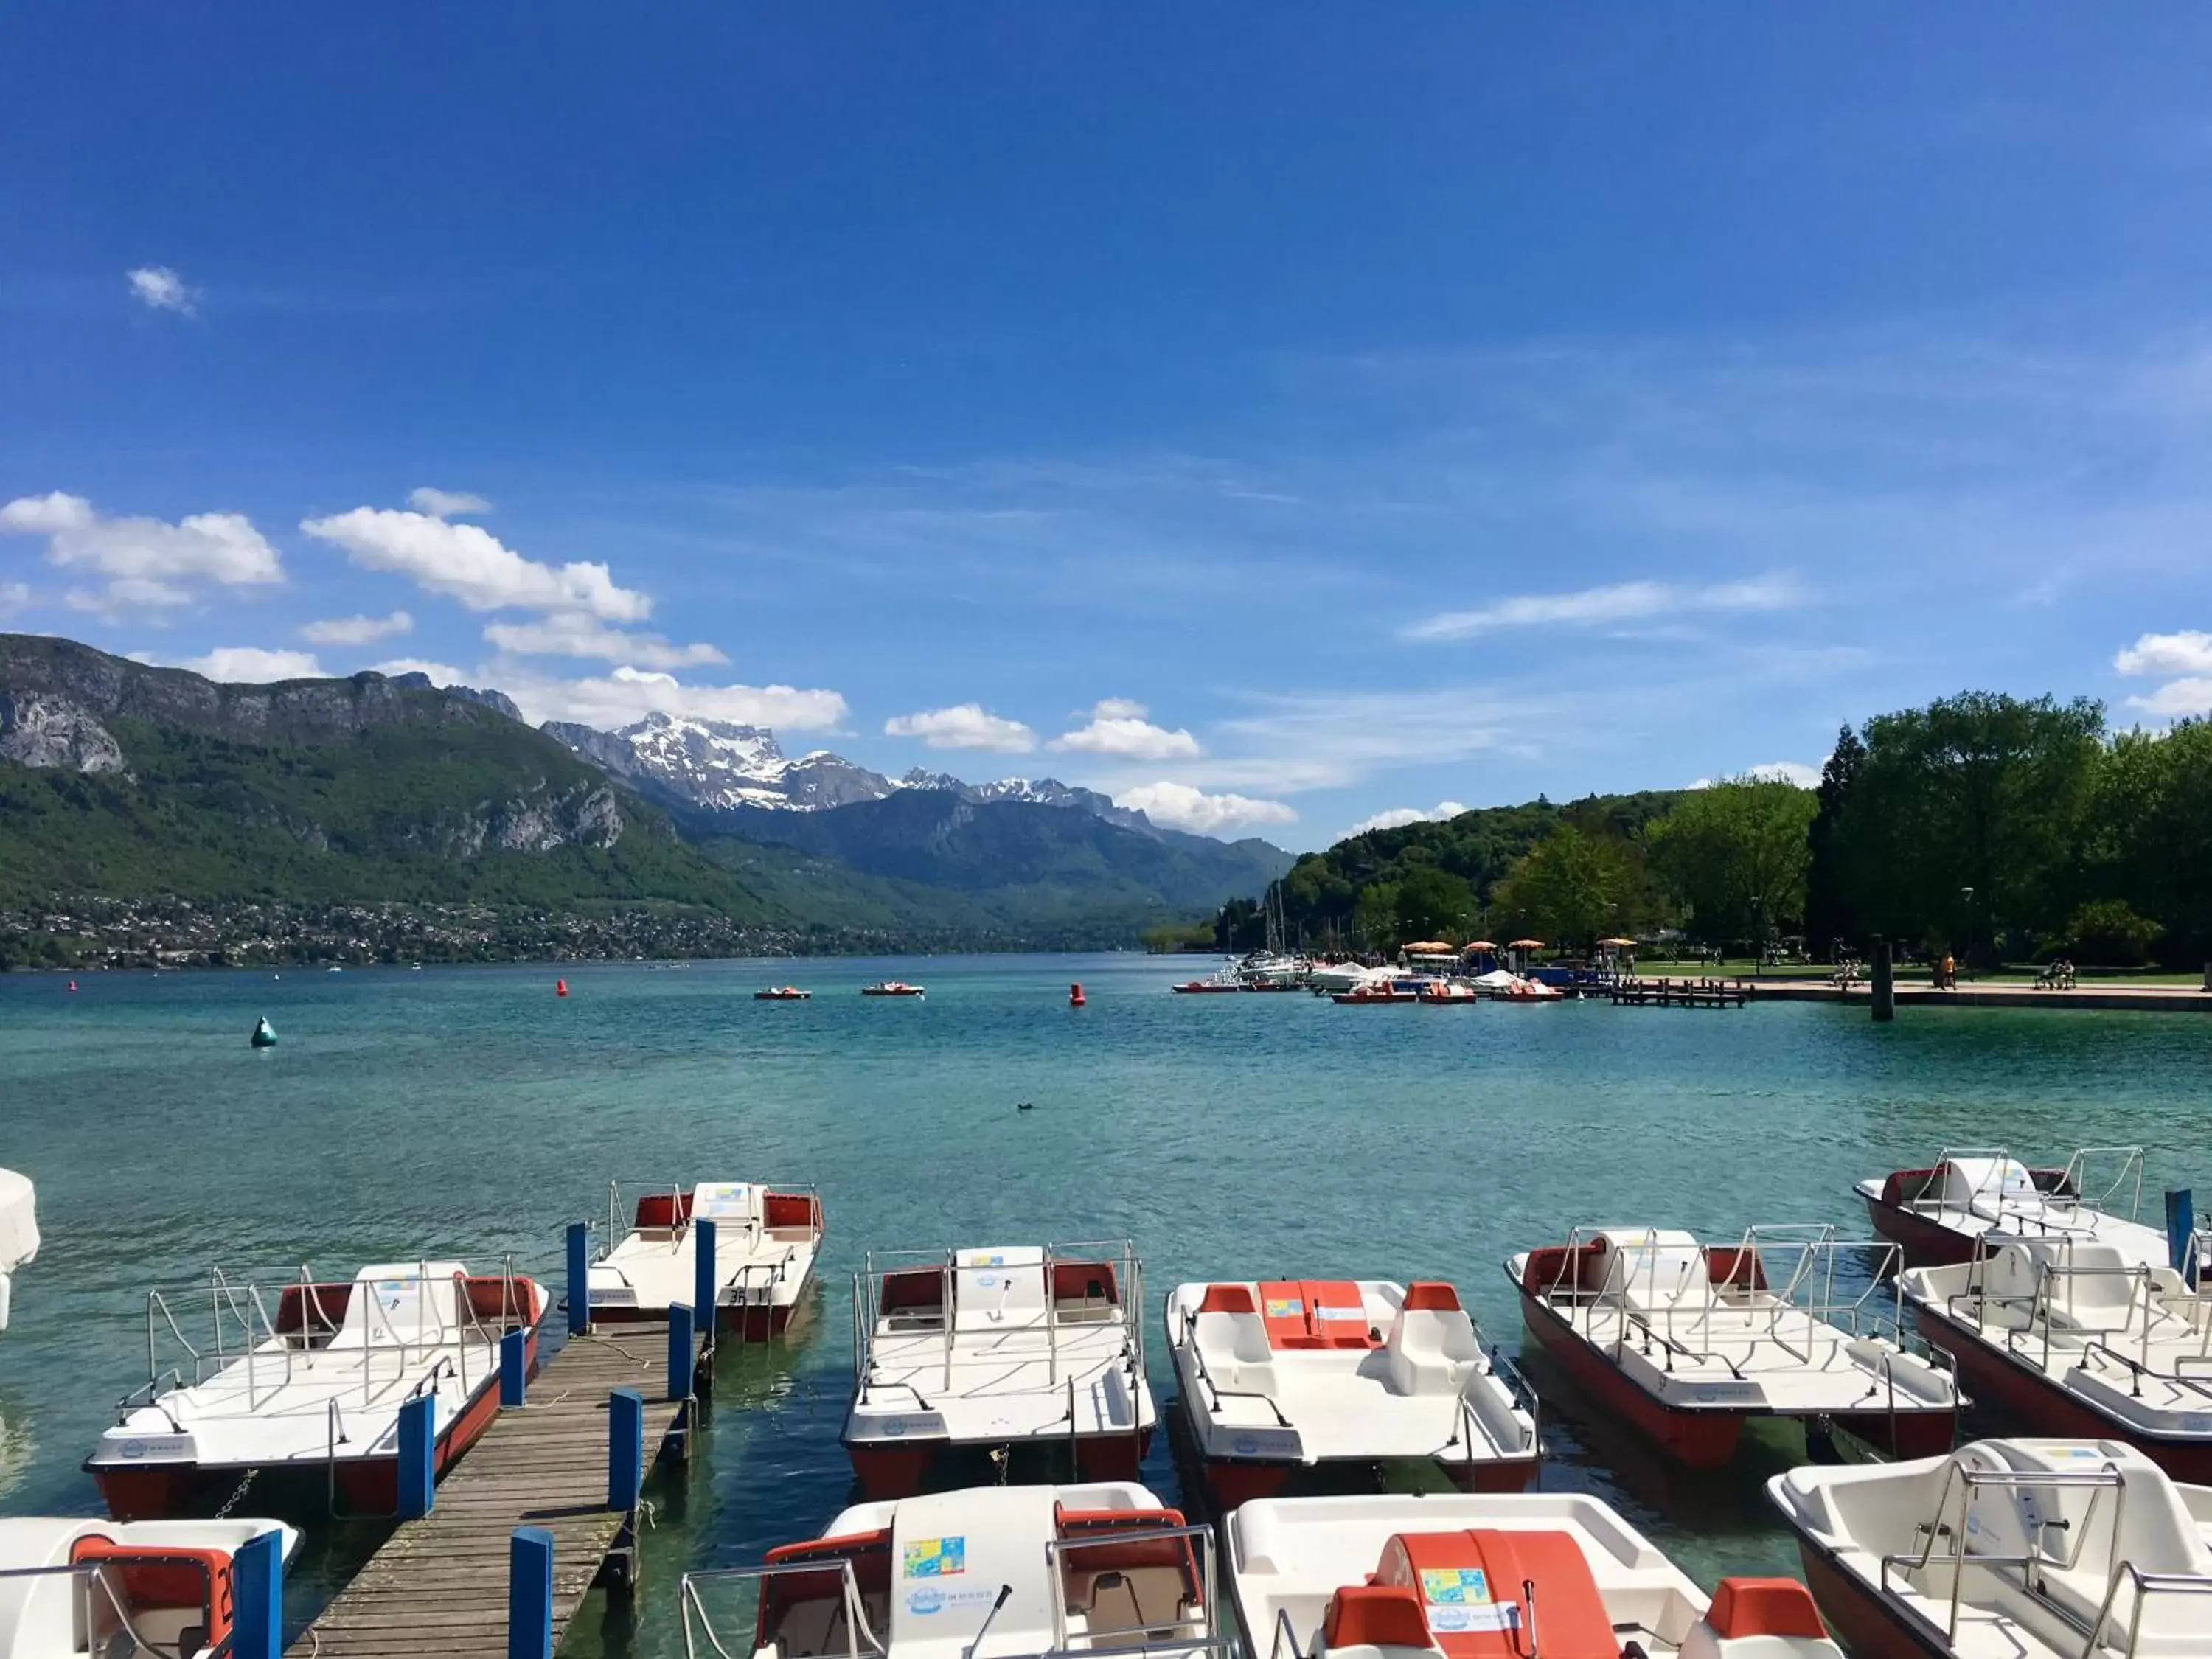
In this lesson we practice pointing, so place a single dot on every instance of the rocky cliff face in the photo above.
(107, 688)
(530, 823)
(44, 729)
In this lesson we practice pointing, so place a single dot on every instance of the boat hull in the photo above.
(1866, 1625)
(366, 1485)
(902, 1470)
(1699, 1439)
(2044, 1408)
(1924, 1243)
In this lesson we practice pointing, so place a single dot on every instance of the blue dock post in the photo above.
(580, 1277)
(530, 1593)
(514, 1368)
(418, 1439)
(705, 1291)
(257, 1578)
(625, 1449)
(2181, 1233)
(682, 1352)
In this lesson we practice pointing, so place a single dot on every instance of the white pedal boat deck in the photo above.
(314, 1390)
(997, 1349)
(19, 1233)
(2077, 1339)
(1380, 1577)
(766, 1242)
(2006, 1549)
(108, 1590)
(1944, 1214)
(1277, 1375)
(1687, 1341)
(1011, 1570)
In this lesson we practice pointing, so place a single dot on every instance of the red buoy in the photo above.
(560, 987)
(1075, 995)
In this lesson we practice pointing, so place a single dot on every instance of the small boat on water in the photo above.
(19, 1233)
(891, 987)
(2079, 1339)
(1688, 1341)
(73, 1588)
(1279, 1375)
(1402, 987)
(781, 994)
(1943, 1213)
(1440, 993)
(1100, 1567)
(2006, 1549)
(314, 1391)
(766, 1242)
(1345, 976)
(1226, 979)
(1490, 1576)
(998, 1352)
(265, 1034)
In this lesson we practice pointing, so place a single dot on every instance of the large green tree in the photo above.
(1571, 888)
(1967, 820)
(1734, 855)
(1433, 903)
(1831, 915)
(2154, 816)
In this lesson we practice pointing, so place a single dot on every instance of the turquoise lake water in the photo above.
(469, 1113)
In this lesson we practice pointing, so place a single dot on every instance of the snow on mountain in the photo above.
(719, 766)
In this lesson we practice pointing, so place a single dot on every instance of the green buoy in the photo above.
(265, 1034)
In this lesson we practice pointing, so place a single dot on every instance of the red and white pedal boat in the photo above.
(1688, 1341)
(1490, 1576)
(998, 1351)
(107, 1589)
(766, 1243)
(2079, 1339)
(1102, 1567)
(314, 1392)
(892, 987)
(1279, 1375)
(1944, 1212)
(2006, 1549)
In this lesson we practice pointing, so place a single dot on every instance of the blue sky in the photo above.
(1278, 416)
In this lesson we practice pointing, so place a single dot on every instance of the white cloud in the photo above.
(2185, 652)
(1179, 806)
(1797, 772)
(628, 693)
(447, 503)
(571, 634)
(1637, 601)
(249, 664)
(144, 564)
(2190, 695)
(160, 288)
(964, 726)
(1118, 728)
(14, 597)
(1397, 818)
(440, 674)
(469, 564)
(356, 630)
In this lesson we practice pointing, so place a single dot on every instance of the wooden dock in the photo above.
(438, 1585)
(1680, 993)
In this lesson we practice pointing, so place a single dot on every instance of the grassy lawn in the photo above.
(1916, 973)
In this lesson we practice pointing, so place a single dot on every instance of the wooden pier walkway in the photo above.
(1680, 993)
(438, 1585)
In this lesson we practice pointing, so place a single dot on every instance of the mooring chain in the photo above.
(232, 1502)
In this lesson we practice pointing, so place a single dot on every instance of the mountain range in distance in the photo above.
(125, 780)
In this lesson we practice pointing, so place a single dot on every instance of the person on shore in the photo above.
(1948, 980)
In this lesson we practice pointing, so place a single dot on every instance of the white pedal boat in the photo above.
(1688, 1341)
(312, 1392)
(1002, 1571)
(999, 1350)
(2079, 1339)
(766, 1242)
(19, 1233)
(1276, 1375)
(106, 1590)
(2006, 1549)
(1943, 1213)
(1490, 1576)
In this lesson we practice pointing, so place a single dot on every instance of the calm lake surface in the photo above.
(469, 1113)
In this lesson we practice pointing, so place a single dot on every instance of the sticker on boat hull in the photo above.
(935, 1557)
